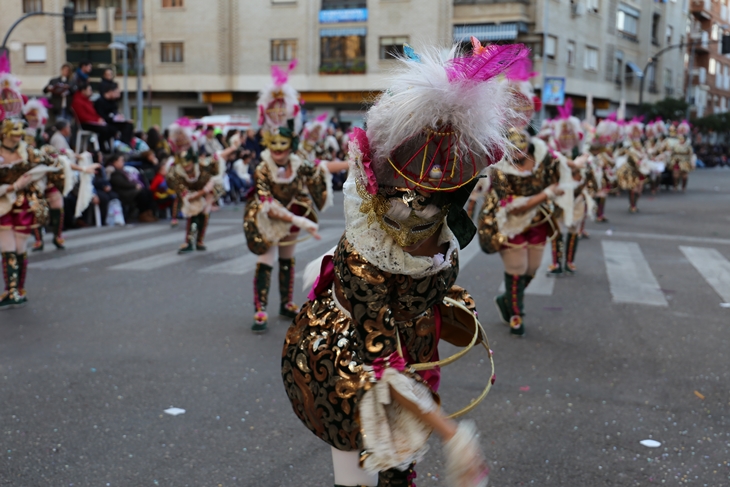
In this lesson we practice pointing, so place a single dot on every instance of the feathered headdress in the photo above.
(36, 112)
(527, 103)
(279, 102)
(442, 120)
(634, 129)
(11, 100)
(607, 132)
(316, 130)
(683, 128)
(181, 134)
(568, 132)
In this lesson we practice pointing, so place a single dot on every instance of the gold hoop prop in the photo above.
(478, 330)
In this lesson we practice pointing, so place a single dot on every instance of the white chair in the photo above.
(85, 137)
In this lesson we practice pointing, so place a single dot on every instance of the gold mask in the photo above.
(276, 142)
(405, 232)
(11, 128)
(518, 139)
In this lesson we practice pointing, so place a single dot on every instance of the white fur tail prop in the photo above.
(311, 272)
(464, 458)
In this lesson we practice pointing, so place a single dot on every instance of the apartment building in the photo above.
(212, 56)
(709, 81)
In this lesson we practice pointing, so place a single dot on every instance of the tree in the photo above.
(668, 109)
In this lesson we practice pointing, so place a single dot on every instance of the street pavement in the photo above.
(120, 328)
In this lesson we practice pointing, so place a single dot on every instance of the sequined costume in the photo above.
(504, 228)
(376, 301)
(192, 174)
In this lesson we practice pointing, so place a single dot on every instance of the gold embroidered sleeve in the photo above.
(175, 182)
(366, 291)
(262, 182)
(316, 183)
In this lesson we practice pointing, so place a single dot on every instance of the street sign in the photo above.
(553, 91)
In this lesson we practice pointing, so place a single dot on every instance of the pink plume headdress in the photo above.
(568, 132)
(279, 102)
(10, 97)
(36, 112)
(443, 120)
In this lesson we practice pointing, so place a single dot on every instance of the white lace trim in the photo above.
(393, 436)
(462, 453)
(294, 161)
(378, 248)
(273, 230)
(512, 225)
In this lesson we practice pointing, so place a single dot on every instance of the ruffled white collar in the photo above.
(294, 161)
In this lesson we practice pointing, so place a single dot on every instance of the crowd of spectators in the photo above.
(130, 184)
(712, 155)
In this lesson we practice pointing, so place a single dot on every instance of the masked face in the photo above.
(32, 118)
(518, 139)
(411, 217)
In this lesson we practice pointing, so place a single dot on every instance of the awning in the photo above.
(487, 32)
(359, 31)
(633, 67)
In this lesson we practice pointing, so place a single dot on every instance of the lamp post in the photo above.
(545, 13)
(140, 50)
(125, 64)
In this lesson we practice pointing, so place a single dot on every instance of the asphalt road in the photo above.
(119, 329)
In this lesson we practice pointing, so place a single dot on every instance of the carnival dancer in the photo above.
(375, 306)
(632, 164)
(682, 160)
(568, 139)
(23, 170)
(286, 190)
(312, 139)
(654, 149)
(195, 179)
(601, 149)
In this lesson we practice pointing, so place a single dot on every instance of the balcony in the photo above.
(467, 12)
(701, 8)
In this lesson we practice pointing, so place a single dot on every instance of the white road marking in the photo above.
(87, 257)
(541, 284)
(247, 263)
(629, 275)
(172, 257)
(713, 266)
(108, 236)
(671, 238)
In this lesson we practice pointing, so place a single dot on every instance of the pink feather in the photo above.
(323, 117)
(493, 61)
(46, 103)
(292, 65)
(4, 63)
(280, 77)
(184, 122)
(521, 71)
(566, 110)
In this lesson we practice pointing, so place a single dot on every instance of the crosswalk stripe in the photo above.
(541, 284)
(629, 275)
(81, 241)
(114, 251)
(167, 258)
(713, 266)
(247, 263)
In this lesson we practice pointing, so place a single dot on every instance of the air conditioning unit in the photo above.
(577, 8)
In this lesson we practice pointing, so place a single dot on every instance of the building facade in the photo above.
(213, 56)
(709, 78)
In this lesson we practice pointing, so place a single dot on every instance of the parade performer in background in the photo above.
(285, 192)
(376, 305)
(195, 178)
(601, 149)
(681, 158)
(23, 171)
(632, 163)
(312, 145)
(654, 149)
(517, 218)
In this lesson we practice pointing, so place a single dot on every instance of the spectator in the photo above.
(60, 90)
(163, 195)
(80, 77)
(62, 132)
(239, 176)
(146, 163)
(107, 107)
(107, 81)
(210, 144)
(134, 196)
(89, 117)
(156, 142)
(252, 143)
(103, 191)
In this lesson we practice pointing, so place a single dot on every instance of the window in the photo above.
(343, 4)
(283, 49)
(392, 47)
(86, 7)
(171, 52)
(342, 51)
(571, 53)
(712, 68)
(592, 6)
(35, 53)
(655, 20)
(30, 6)
(669, 34)
(627, 20)
(667, 78)
(715, 32)
(172, 3)
(591, 59)
(551, 47)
